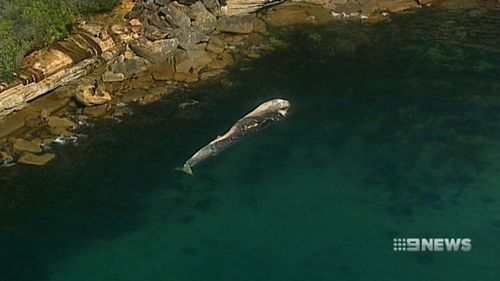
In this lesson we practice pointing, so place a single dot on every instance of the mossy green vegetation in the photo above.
(26, 25)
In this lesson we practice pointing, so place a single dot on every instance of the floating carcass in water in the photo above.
(261, 117)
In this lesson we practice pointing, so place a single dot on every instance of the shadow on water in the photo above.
(402, 101)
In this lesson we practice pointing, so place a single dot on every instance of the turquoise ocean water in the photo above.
(394, 131)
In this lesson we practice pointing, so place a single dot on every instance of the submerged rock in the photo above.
(58, 122)
(33, 146)
(96, 111)
(36, 159)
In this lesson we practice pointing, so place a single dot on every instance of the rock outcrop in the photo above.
(162, 45)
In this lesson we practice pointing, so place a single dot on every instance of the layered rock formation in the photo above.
(47, 69)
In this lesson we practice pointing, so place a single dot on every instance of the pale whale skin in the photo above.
(261, 117)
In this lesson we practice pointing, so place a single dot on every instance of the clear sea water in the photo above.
(394, 131)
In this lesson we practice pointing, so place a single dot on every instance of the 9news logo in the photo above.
(432, 244)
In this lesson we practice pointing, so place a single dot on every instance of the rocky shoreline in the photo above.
(156, 47)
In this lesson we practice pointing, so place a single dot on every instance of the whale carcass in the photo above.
(261, 117)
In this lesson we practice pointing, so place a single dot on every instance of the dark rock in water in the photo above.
(175, 15)
(134, 95)
(204, 21)
(235, 24)
(156, 51)
(96, 111)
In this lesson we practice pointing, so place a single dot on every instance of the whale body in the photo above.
(261, 117)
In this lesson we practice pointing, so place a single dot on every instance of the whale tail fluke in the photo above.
(186, 169)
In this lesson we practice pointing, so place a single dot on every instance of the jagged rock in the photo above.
(153, 33)
(189, 37)
(58, 122)
(210, 4)
(35, 159)
(215, 45)
(33, 146)
(235, 24)
(175, 15)
(182, 62)
(160, 23)
(200, 59)
(162, 72)
(90, 96)
(204, 21)
(156, 51)
(131, 65)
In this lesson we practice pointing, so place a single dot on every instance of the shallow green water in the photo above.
(394, 131)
